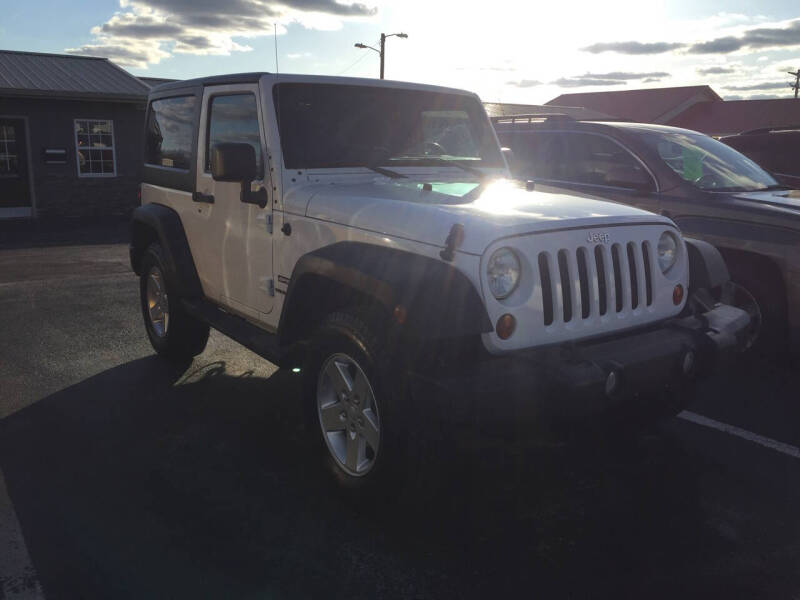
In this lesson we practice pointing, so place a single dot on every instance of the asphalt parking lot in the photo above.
(126, 477)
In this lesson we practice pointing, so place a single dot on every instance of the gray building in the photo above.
(71, 135)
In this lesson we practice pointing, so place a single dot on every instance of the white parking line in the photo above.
(17, 577)
(742, 433)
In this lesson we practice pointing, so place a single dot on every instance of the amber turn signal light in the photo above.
(505, 326)
(677, 294)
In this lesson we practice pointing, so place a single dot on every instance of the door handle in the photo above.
(201, 197)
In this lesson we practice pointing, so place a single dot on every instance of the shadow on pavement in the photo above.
(147, 481)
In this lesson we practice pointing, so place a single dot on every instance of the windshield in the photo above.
(326, 125)
(708, 164)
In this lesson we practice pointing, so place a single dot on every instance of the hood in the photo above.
(787, 199)
(424, 211)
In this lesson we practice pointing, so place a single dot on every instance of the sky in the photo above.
(506, 51)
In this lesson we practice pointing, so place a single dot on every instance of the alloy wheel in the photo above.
(348, 414)
(157, 302)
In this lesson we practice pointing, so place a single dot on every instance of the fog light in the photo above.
(688, 362)
(612, 383)
(505, 326)
(677, 294)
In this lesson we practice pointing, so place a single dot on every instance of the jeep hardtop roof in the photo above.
(255, 77)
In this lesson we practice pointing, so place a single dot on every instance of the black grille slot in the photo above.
(600, 265)
(648, 279)
(547, 289)
(566, 285)
(583, 277)
(634, 275)
(615, 262)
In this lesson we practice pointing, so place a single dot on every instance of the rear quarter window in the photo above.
(169, 132)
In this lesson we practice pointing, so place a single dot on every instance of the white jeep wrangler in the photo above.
(366, 231)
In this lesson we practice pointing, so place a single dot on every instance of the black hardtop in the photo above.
(166, 89)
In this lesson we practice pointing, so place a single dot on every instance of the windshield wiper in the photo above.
(385, 172)
(435, 160)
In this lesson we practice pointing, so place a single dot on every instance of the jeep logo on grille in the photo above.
(598, 238)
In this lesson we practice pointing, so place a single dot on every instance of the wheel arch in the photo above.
(766, 266)
(159, 223)
(433, 299)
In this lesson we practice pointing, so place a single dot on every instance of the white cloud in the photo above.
(144, 32)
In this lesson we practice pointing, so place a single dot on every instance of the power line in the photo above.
(358, 60)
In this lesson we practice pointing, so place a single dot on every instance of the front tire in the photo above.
(351, 397)
(173, 333)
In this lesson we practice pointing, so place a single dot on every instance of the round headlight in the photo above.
(503, 272)
(667, 251)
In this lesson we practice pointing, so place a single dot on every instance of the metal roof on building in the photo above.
(735, 116)
(154, 81)
(64, 76)
(652, 105)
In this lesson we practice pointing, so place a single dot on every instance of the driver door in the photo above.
(239, 233)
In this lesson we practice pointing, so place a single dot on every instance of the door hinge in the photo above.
(267, 285)
(269, 224)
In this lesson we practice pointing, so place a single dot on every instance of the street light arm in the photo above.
(360, 45)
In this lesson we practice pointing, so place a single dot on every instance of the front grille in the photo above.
(582, 283)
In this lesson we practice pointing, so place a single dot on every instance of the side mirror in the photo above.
(629, 177)
(233, 162)
(236, 162)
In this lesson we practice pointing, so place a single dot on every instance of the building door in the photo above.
(15, 191)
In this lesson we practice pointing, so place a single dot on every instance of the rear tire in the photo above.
(173, 332)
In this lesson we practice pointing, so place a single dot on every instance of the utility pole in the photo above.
(382, 51)
(795, 86)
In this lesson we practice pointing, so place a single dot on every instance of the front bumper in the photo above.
(573, 381)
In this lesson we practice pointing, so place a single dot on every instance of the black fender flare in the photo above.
(156, 222)
(707, 268)
(439, 300)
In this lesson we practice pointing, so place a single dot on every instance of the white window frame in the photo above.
(4, 153)
(113, 148)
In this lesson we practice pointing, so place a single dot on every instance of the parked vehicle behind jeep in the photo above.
(710, 190)
(364, 232)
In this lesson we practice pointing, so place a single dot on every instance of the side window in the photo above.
(168, 137)
(597, 160)
(233, 118)
(539, 155)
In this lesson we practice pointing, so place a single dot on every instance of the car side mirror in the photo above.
(236, 162)
(233, 162)
(629, 177)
